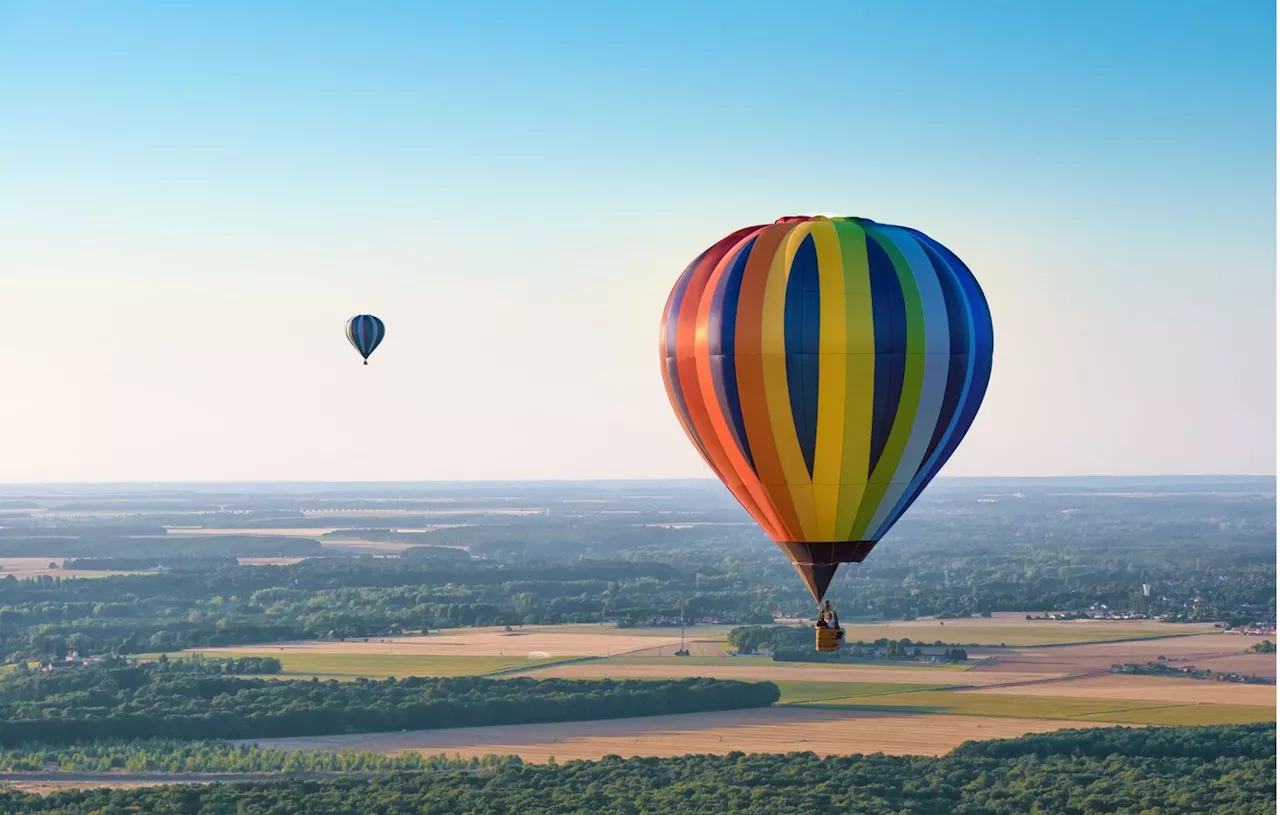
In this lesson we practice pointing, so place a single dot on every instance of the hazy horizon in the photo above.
(943, 479)
(205, 194)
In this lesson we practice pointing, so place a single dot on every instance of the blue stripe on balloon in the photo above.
(889, 322)
(801, 335)
(721, 333)
(957, 370)
(977, 320)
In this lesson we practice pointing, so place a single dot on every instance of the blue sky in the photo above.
(194, 197)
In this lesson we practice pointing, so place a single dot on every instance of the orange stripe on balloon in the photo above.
(687, 368)
(750, 370)
(669, 385)
(754, 498)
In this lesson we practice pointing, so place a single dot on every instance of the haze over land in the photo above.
(242, 572)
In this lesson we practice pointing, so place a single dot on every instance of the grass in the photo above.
(1124, 711)
(1198, 714)
(679, 661)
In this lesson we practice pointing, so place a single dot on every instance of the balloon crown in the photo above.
(791, 219)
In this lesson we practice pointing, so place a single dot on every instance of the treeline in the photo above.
(168, 756)
(1147, 771)
(150, 701)
(790, 643)
(348, 597)
(202, 665)
(142, 564)
(1201, 743)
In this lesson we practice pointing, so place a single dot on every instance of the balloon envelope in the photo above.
(365, 332)
(826, 369)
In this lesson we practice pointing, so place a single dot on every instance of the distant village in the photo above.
(71, 660)
(1163, 668)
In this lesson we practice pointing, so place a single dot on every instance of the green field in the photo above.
(1194, 714)
(1124, 711)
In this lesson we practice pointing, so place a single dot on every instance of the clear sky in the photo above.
(194, 197)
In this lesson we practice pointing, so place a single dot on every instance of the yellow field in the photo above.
(768, 730)
(566, 641)
(28, 567)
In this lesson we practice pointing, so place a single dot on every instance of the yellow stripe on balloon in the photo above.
(860, 374)
(831, 379)
(777, 392)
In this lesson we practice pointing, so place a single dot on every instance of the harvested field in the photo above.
(464, 642)
(367, 547)
(1101, 656)
(1014, 629)
(284, 531)
(25, 568)
(1247, 664)
(704, 633)
(1148, 689)
(771, 671)
(268, 561)
(765, 730)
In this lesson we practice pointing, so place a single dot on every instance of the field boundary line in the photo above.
(923, 689)
(554, 663)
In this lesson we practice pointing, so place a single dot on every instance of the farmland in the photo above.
(894, 707)
(773, 730)
(25, 568)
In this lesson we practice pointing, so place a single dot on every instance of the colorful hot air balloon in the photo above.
(826, 369)
(365, 332)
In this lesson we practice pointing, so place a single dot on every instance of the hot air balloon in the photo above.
(826, 369)
(365, 332)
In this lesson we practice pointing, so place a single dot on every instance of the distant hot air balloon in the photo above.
(365, 332)
(826, 369)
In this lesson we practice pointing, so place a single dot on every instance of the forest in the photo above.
(151, 701)
(204, 756)
(1204, 552)
(1182, 771)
